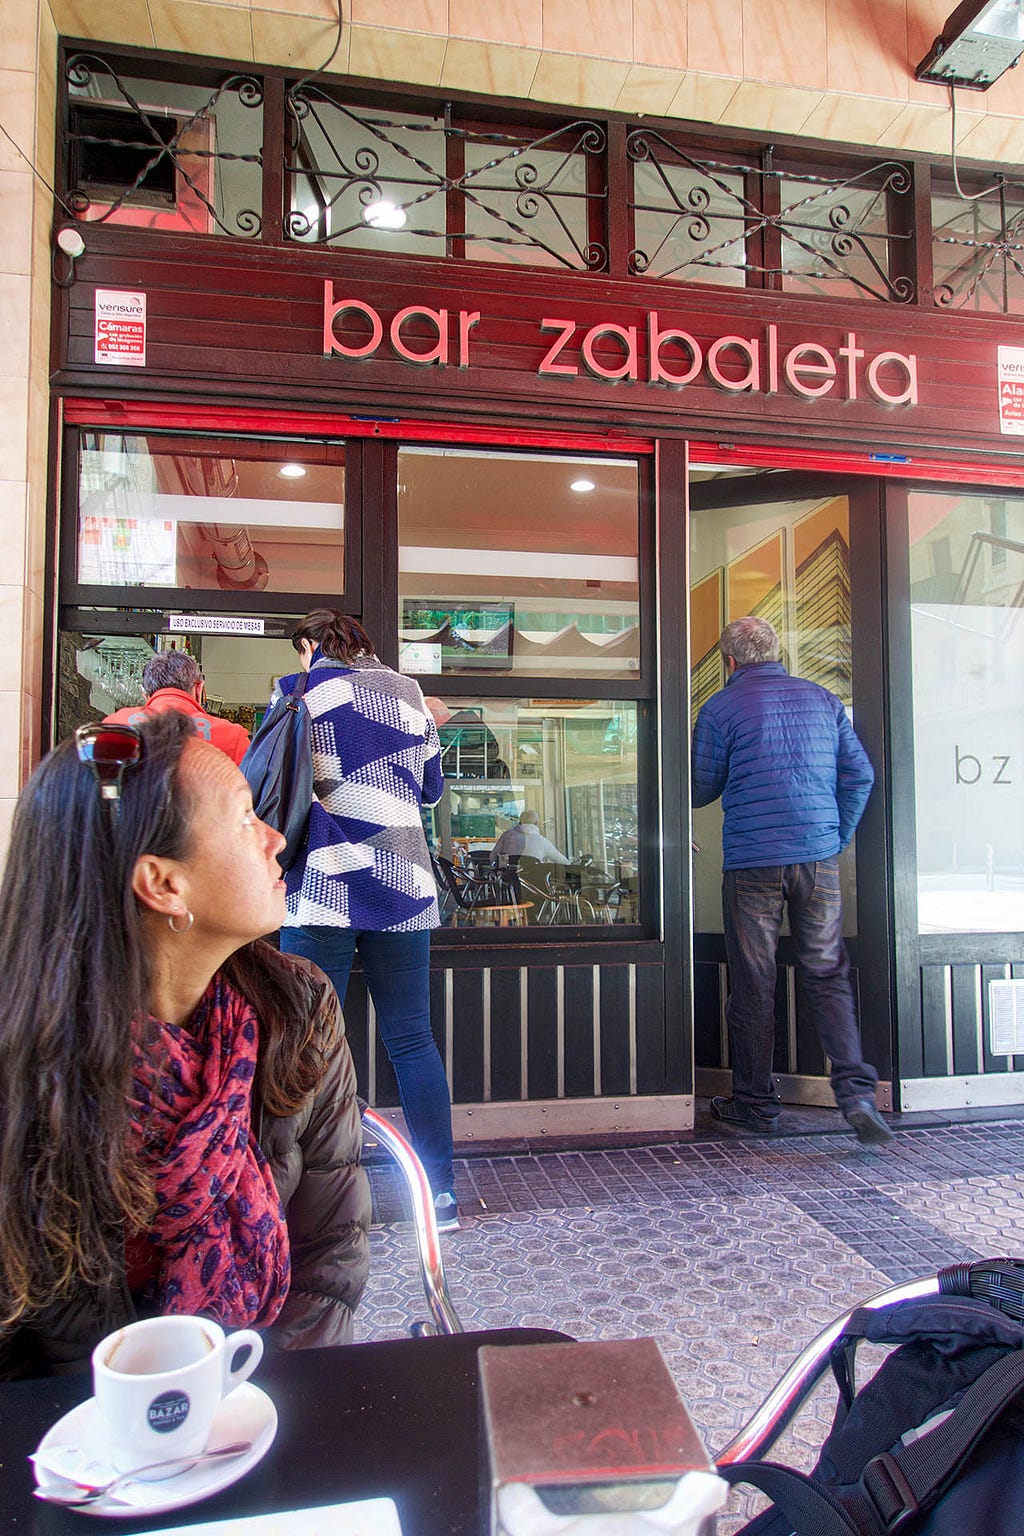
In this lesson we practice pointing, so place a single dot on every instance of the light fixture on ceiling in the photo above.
(979, 41)
(384, 214)
(292, 471)
(582, 486)
(70, 245)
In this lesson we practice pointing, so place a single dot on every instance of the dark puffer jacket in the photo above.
(315, 1158)
(792, 775)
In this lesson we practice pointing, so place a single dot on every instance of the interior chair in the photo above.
(420, 1199)
(466, 891)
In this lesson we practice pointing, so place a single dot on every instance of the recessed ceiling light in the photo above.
(292, 471)
(383, 214)
(582, 485)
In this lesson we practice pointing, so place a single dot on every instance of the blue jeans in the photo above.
(397, 967)
(752, 904)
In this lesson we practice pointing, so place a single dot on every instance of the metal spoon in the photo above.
(90, 1493)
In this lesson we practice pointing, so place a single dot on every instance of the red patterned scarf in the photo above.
(219, 1231)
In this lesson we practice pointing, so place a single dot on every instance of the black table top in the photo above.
(397, 1419)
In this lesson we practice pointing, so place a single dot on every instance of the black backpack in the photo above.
(933, 1444)
(279, 769)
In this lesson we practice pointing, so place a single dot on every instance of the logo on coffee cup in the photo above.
(168, 1411)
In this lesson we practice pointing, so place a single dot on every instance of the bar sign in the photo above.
(120, 328)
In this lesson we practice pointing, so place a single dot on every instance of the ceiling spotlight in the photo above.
(582, 486)
(382, 214)
(292, 471)
(979, 41)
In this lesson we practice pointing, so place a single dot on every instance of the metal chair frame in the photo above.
(428, 1241)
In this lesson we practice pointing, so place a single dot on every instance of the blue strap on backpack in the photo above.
(279, 769)
(957, 1375)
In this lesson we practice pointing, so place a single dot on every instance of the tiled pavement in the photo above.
(732, 1252)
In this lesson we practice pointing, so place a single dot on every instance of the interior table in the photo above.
(397, 1419)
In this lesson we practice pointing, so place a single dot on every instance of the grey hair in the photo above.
(170, 669)
(749, 641)
(529, 818)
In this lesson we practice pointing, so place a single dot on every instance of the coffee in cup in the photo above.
(158, 1384)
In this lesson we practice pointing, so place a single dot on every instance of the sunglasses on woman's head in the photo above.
(109, 750)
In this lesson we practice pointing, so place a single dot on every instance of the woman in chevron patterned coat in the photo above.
(363, 881)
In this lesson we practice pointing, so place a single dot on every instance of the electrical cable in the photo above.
(968, 197)
(294, 90)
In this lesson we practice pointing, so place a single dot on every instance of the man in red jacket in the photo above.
(172, 680)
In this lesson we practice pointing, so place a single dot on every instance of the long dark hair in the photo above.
(75, 995)
(337, 635)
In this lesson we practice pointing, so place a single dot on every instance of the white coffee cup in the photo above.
(159, 1382)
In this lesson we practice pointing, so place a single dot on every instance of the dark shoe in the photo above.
(447, 1212)
(732, 1113)
(867, 1124)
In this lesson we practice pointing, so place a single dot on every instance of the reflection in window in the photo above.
(787, 562)
(504, 567)
(228, 516)
(539, 812)
(967, 619)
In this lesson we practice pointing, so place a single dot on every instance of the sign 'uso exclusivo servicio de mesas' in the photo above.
(653, 353)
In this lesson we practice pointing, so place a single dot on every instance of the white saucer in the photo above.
(247, 1414)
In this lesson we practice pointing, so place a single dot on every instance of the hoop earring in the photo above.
(188, 925)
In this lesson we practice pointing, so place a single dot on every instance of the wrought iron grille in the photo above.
(157, 162)
(534, 197)
(978, 248)
(762, 224)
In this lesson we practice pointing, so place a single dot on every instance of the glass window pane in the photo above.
(539, 811)
(832, 239)
(976, 251)
(787, 562)
(157, 154)
(504, 567)
(689, 221)
(345, 161)
(967, 617)
(227, 515)
(527, 204)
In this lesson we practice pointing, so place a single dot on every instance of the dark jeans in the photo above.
(752, 904)
(397, 967)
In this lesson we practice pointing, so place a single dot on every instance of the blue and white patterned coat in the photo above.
(793, 777)
(376, 762)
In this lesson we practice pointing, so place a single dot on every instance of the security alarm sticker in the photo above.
(120, 328)
(1011, 390)
(168, 1411)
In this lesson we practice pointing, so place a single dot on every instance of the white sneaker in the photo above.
(447, 1212)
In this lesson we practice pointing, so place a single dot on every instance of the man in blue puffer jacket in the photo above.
(794, 781)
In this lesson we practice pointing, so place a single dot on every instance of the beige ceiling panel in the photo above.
(703, 98)
(927, 129)
(219, 30)
(519, 23)
(578, 82)
(659, 33)
(851, 119)
(16, 201)
(993, 138)
(112, 21)
(320, 10)
(488, 68)
(770, 108)
(599, 27)
(380, 54)
(303, 42)
(649, 92)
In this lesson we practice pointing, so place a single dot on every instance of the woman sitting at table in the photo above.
(179, 1130)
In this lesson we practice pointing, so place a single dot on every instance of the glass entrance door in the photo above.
(801, 552)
